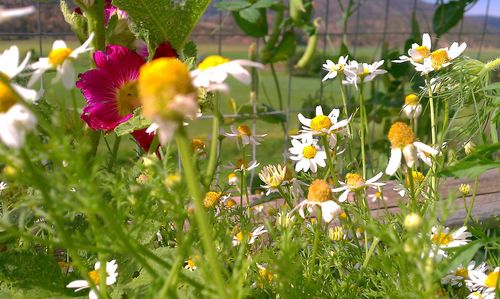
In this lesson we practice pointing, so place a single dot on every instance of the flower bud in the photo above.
(469, 147)
(412, 222)
(464, 189)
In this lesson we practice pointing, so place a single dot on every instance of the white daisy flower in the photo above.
(242, 164)
(362, 72)
(460, 275)
(10, 13)
(440, 58)
(418, 180)
(111, 275)
(412, 108)
(355, 182)
(238, 238)
(484, 283)
(403, 143)
(15, 121)
(334, 69)
(307, 153)
(10, 68)
(190, 264)
(485, 294)
(377, 196)
(232, 179)
(322, 124)
(3, 186)
(214, 70)
(443, 238)
(319, 196)
(244, 133)
(273, 177)
(61, 59)
(417, 53)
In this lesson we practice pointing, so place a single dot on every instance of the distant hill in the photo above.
(369, 22)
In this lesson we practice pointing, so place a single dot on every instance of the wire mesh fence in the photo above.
(375, 24)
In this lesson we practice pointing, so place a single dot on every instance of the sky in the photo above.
(480, 7)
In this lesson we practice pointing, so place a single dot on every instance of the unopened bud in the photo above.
(464, 189)
(412, 222)
(469, 148)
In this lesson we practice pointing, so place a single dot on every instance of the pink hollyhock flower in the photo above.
(163, 50)
(111, 91)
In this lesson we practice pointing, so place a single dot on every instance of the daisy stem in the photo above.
(317, 232)
(204, 226)
(329, 158)
(413, 197)
(213, 158)
(95, 19)
(363, 128)
(370, 252)
(346, 115)
(285, 197)
(474, 192)
(114, 153)
(433, 131)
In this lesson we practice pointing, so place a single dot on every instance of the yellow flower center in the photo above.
(438, 58)
(464, 189)
(336, 233)
(190, 264)
(230, 203)
(265, 275)
(411, 100)
(127, 98)
(309, 152)
(244, 130)
(7, 97)
(366, 72)
(240, 235)
(400, 135)
(378, 195)
(343, 216)
(360, 230)
(212, 61)
(321, 123)
(491, 279)
(319, 191)
(58, 56)
(211, 198)
(424, 52)
(241, 163)
(197, 145)
(94, 277)
(418, 178)
(160, 81)
(232, 176)
(354, 181)
(462, 272)
(442, 238)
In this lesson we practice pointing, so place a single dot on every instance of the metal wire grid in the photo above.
(218, 35)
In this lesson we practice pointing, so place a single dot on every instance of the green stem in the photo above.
(95, 19)
(285, 197)
(114, 153)
(200, 213)
(433, 133)
(329, 158)
(214, 157)
(490, 66)
(317, 232)
(370, 252)
(363, 128)
(413, 194)
(474, 192)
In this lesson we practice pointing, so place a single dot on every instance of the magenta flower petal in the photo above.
(143, 139)
(114, 69)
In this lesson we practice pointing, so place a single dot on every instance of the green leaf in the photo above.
(232, 5)
(286, 48)
(77, 22)
(137, 122)
(250, 14)
(462, 256)
(447, 15)
(157, 21)
(264, 3)
(474, 164)
(258, 28)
